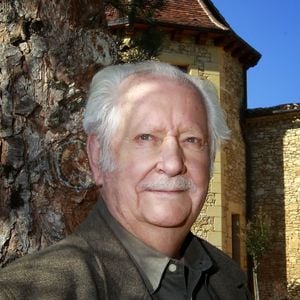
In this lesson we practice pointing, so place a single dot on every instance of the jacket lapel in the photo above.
(121, 277)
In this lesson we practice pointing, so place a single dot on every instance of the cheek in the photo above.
(199, 195)
(127, 177)
(135, 165)
(199, 168)
(200, 177)
(199, 174)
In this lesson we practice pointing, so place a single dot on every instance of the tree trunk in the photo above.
(49, 50)
(255, 279)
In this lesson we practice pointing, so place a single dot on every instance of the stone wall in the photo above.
(227, 188)
(271, 179)
(273, 139)
(232, 94)
(202, 61)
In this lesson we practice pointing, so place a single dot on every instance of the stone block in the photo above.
(215, 237)
(218, 223)
(215, 211)
(216, 187)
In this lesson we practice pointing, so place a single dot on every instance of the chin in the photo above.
(168, 219)
(167, 210)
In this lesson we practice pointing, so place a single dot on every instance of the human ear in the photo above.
(94, 153)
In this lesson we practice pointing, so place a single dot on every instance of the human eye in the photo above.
(145, 137)
(195, 142)
(192, 140)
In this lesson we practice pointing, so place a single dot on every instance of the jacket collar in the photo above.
(122, 278)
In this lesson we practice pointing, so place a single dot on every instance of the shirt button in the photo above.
(172, 268)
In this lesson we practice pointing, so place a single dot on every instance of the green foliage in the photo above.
(258, 241)
(258, 236)
(144, 44)
(136, 9)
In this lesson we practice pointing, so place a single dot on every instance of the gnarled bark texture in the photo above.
(49, 50)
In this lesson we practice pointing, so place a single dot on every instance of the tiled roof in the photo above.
(197, 14)
(279, 109)
(196, 17)
(191, 13)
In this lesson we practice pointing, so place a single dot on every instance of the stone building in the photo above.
(45, 193)
(199, 41)
(261, 161)
(273, 142)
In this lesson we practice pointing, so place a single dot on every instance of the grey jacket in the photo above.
(92, 264)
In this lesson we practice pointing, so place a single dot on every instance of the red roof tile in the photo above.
(194, 16)
(191, 13)
(188, 13)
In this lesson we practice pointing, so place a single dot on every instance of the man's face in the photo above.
(161, 154)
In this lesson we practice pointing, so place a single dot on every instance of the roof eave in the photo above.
(291, 108)
(227, 39)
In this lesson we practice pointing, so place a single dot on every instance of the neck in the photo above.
(168, 241)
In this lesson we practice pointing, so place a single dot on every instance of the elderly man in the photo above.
(152, 136)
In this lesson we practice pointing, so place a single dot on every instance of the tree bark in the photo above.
(49, 50)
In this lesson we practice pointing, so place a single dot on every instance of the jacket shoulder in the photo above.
(53, 273)
(223, 260)
(226, 277)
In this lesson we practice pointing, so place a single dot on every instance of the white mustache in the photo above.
(178, 183)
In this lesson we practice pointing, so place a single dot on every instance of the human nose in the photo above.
(171, 161)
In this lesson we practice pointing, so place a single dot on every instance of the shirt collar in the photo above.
(151, 263)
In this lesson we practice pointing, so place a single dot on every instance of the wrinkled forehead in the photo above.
(144, 98)
(143, 83)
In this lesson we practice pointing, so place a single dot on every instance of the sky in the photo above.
(272, 27)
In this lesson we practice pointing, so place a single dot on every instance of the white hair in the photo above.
(102, 115)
